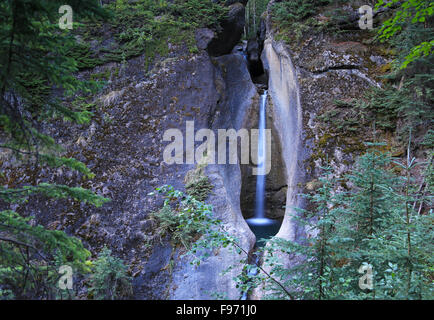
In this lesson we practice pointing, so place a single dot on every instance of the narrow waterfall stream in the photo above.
(260, 180)
(261, 226)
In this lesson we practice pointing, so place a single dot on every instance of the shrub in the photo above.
(287, 12)
(197, 184)
(110, 280)
(182, 217)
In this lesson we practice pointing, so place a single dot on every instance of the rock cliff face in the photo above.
(124, 146)
(287, 116)
(306, 78)
(235, 110)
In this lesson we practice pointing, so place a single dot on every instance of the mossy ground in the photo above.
(144, 27)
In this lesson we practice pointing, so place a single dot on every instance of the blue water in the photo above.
(261, 226)
(260, 179)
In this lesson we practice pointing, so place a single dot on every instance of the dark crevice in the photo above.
(253, 51)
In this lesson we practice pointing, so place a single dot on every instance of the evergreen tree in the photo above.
(376, 223)
(316, 271)
(403, 248)
(33, 61)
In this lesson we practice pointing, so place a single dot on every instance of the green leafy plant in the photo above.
(34, 60)
(183, 217)
(109, 280)
(408, 12)
(191, 223)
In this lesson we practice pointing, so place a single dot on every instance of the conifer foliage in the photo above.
(33, 63)
(377, 224)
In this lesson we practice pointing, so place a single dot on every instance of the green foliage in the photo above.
(295, 18)
(200, 188)
(376, 223)
(422, 50)
(36, 58)
(343, 119)
(191, 223)
(53, 191)
(314, 269)
(109, 280)
(31, 256)
(397, 110)
(428, 140)
(287, 12)
(411, 103)
(6, 295)
(56, 162)
(197, 184)
(410, 10)
(415, 12)
(82, 54)
(410, 95)
(184, 218)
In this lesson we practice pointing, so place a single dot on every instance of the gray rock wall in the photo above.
(288, 121)
(238, 100)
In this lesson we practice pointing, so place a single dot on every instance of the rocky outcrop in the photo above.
(287, 115)
(305, 80)
(123, 146)
(231, 30)
(239, 97)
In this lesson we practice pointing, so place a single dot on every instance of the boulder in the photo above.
(204, 37)
(231, 32)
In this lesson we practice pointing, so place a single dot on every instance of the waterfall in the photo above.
(260, 180)
(261, 226)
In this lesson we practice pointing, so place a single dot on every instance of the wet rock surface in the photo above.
(254, 49)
